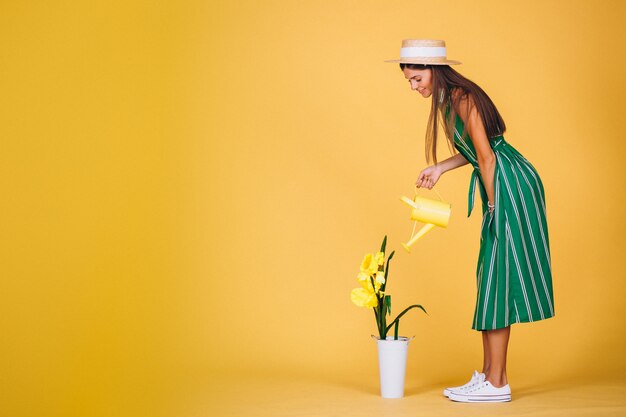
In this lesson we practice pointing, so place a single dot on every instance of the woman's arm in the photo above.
(451, 163)
(429, 176)
(468, 112)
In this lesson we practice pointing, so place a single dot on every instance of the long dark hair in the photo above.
(450, 87)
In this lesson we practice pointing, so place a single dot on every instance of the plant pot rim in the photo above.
(391, 339)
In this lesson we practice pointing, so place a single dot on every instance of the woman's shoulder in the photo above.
(456, 93)
(461, 99)
(462, 103)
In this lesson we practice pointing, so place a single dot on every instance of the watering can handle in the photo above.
(434, 189)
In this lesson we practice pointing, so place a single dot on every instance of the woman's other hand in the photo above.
(428, 177)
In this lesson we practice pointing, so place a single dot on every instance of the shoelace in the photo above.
(478, 381)
(482, 384)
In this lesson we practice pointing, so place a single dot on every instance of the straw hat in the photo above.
(424, 51)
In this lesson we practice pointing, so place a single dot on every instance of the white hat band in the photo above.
(423, 51)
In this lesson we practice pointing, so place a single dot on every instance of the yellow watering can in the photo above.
(431, 212)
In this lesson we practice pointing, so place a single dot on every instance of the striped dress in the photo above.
(514, 279)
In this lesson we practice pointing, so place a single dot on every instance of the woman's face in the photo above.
(420, 80)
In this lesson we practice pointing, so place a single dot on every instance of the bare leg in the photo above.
(486, 356)
(498, 342)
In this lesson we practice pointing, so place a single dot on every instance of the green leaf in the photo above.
(403, 313)
(395, 330)
(387, 267)
(388, 304)
(384, 245)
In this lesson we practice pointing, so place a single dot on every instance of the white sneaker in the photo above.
(483, 392)
(477, 377)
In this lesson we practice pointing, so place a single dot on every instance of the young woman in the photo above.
(514, 276)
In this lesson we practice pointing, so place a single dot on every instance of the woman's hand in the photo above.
(428, 177)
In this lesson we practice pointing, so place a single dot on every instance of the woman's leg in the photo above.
(498, 342)
(486, 355)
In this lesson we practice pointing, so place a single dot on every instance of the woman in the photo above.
(514, 279)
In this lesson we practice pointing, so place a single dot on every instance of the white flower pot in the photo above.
(392, 356)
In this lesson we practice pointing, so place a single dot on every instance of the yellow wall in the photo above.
(188, 190)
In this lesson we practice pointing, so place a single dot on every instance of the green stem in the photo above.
(387, 271)
(377, 321)
(382, 318)
(379, 313)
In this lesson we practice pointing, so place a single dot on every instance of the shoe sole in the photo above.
(481, 398)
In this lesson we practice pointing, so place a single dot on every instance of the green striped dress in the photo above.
(514, 279)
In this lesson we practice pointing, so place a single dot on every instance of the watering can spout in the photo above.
(425, 229)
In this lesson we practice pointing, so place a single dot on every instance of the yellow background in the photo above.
(188, 189)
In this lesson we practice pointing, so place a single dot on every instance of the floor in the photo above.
(292, 396)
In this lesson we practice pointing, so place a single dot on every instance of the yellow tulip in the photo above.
(369, 264)
(365, 281)
(367, 260)
(380, 258)
(364, 298)
(380, 279)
